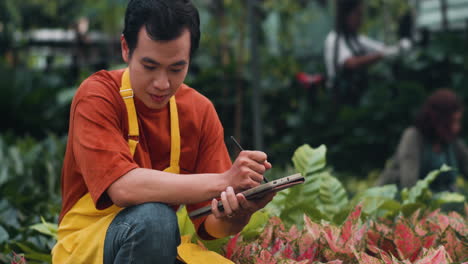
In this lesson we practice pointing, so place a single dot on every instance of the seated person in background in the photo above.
(432, 142)
(347, 53)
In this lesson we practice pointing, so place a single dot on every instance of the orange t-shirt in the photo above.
(97, 149)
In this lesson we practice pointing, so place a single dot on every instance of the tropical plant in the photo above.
(323, 197)
(433, 238)
(30, 184)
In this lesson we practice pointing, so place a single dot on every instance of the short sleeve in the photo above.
(371, 45)
(343, 52)
(101, 152)
(409, 156)
(213, 157)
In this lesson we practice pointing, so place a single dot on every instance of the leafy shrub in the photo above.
(30, 187)
(323, 197)
(433, 238)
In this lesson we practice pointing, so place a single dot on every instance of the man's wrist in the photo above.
(237, 223)
(220, 184)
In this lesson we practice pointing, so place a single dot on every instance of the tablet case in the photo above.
(257, 192)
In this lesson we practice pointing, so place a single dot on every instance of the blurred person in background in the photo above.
(430, 143)
(348, 54)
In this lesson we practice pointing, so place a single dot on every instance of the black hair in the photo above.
(435, 117)
(164, 20)
(343, 10)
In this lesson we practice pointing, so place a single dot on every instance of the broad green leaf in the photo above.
(389, 208)
(332, 196)
(32, 254)
(46, 228)
(3, 235)
(447, 197)
(186, 228)
(216, 245)
(258, 220)
(276, 206)
(370, 204)
(409, 208)
(321, 195)
(386, 191)
(308, 160)
(374, 198)
(416, 193)
(185, 225)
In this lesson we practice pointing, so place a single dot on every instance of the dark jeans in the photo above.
(146, 233)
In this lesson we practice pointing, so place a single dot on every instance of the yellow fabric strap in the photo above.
(175, 134)
(126, 92)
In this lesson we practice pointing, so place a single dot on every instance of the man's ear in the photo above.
(124, 48)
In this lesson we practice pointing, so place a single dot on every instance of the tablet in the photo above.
(257, 192)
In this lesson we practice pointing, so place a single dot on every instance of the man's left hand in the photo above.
(237, 209)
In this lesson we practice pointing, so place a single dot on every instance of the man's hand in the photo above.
(247, 170)
(237, 209)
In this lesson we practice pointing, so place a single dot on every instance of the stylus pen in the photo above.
(242, 149)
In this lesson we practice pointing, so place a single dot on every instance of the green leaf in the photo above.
(374, 198)
(185, 224)
(308, 160)
(409, 208)
(46, 228)
(3, 235)
(332, 196)
(417, 193)
(389, 207)
(322, 195)
(447, 197)
(216, 245)
(32, 254)
(386, 191)
(255, 226)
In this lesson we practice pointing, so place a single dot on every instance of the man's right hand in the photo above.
(247, 170)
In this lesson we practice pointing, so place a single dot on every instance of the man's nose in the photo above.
(161, 81)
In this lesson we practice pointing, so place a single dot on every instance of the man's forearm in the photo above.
(144, 185)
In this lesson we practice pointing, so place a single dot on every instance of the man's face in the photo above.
(157, 68)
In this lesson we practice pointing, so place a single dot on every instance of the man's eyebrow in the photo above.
(151, 61)
(148, 60)
(180, 63)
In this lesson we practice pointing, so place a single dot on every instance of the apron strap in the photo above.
(175, 134)
(126, 92)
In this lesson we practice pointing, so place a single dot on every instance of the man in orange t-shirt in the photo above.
(180, 156)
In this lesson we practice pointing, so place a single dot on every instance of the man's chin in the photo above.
(156, 106)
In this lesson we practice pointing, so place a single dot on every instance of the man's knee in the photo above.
(149, 229)
(153, 217)
(152, 221)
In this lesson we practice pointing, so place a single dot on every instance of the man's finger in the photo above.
(214, 208)
(226, 205)
(257, 156)
(257, 167)
(231, 197)
(243, 202)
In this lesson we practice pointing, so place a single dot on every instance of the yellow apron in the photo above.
(82, 231)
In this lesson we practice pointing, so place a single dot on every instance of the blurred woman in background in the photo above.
(347, 53)
(432, 142)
